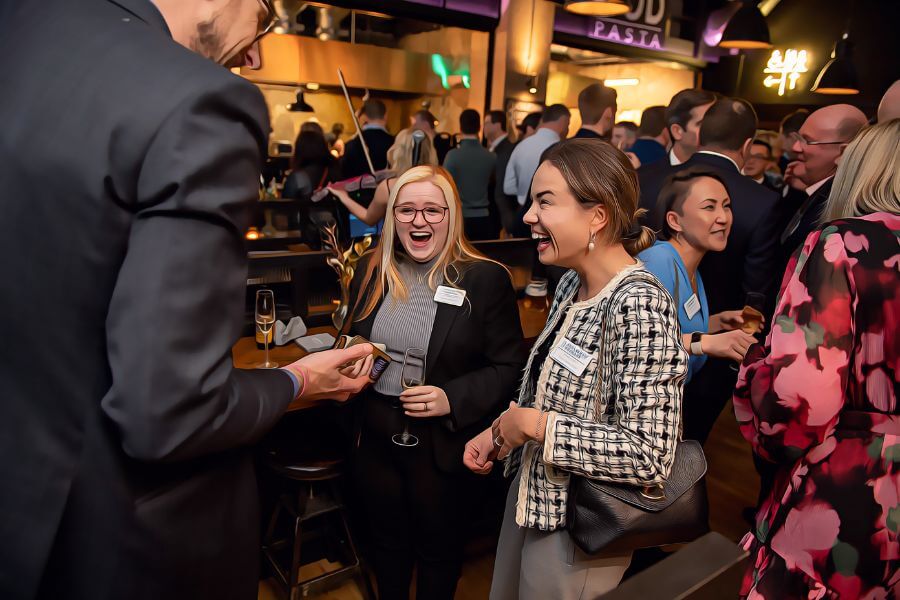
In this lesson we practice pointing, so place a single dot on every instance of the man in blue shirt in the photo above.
(653, 136)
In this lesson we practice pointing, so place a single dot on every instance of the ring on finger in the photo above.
(424, 406)
(498, 441)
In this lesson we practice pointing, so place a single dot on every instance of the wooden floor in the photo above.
(732, 483)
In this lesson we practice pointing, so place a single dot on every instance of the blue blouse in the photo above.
(663, 260)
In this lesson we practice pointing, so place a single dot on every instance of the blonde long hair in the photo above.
(456, 253)
(399, 155)
(868, 177)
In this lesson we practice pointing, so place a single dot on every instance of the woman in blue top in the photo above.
(696, 219)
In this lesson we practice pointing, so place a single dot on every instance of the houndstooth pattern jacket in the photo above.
(621, 424)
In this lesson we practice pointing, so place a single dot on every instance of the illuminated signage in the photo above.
(642, 26)
(785, 68)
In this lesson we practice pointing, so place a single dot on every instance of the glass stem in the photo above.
(266, 344)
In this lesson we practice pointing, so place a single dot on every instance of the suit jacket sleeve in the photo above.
(178, 303)
(486, 391)
(761, 257)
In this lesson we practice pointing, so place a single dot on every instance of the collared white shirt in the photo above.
(673, 160)
(524, 161)
(728, 158)
(495, 143)
(815, 187)
(368, 126)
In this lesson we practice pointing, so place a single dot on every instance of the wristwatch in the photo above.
(696, 347)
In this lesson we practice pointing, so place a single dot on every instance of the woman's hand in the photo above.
(727, 320)
(731, 344)
(343, 196)
(515, 427)
(480, 453)
(425, 401)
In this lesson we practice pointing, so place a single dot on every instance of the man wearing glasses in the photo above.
(127, 169)
(817, 148)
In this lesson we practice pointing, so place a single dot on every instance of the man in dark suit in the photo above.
(377, 139)
(745, 265)
(472, 167)
(124, 431)
(597, 106)
(503, 205)
(817, 148)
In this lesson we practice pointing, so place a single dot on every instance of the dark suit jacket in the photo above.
(587, 134)
(809, 219)
(475, 354)
(748, 262)
(354, 162)
(123, 425)
(507, 205)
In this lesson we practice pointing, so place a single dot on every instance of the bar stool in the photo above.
(309, 515)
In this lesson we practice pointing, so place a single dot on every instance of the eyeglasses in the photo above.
(796, 137)
(432, 214)
(269, 22)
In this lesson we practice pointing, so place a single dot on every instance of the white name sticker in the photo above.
(692, 306)
(571, 357)
(449, 295)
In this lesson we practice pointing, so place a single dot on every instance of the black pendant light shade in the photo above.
(838, 76)
(300, 105)
(598, 8)
(747, 29)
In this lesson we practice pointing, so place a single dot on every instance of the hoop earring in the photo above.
(591, 243)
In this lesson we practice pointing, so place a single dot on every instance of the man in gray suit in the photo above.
(124, 428)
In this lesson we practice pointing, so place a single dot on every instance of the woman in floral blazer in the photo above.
(820, 399)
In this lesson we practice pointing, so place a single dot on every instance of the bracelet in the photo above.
(303, 375)
(537, 430)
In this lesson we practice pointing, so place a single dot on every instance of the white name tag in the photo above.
(449, 295)
(571, 357)
(692, 306)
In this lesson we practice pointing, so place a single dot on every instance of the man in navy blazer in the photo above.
(746, 265)
(125, 430)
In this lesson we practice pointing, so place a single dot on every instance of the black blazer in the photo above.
(354, 162)
(748, 262)
(475, 354)
(123, 427)
(789, 240)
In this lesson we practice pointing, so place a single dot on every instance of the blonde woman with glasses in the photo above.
(820, 398)
(425, 287)
(400, 160)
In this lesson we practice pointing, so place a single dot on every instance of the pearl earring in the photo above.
(591, 243)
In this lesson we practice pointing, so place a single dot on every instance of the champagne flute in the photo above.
(412, 375)
(265, 320)
(754, 304)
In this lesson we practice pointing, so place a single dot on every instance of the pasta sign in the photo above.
(642, 27)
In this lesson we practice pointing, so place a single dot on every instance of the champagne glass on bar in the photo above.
(265, 320)
(412, 375)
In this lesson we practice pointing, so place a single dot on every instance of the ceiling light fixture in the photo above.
(598, 8)
(747, 29)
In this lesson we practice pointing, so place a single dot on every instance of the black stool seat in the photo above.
(303, 465)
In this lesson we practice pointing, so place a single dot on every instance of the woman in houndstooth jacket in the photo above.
(611, 321)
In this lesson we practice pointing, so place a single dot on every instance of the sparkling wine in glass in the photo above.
(753, 313)
(265, 320)
(412, 374)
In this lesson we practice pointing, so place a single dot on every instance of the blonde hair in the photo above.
(399, 155)
(455, 254)
(599, 174)
(868, 176)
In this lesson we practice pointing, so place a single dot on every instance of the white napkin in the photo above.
(285, 333)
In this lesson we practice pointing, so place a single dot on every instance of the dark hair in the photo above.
(498, 117)
(728, 124)
(310, 148)
(678, 112)
(653, 121)
(374, 109)
(554, 113)
(312, 126)
(427, 117)
(337, 129)
(629, 125)
(759, 142)
(600, 174)
(469, 121)
(674, 192)
(593, 102)
(531, 120)
(792, 122)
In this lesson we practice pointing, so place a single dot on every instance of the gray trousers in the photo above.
(544, 565)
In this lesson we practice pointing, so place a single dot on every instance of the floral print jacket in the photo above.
(820, 400)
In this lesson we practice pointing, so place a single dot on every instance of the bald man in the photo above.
(889, 108)
(817, 147)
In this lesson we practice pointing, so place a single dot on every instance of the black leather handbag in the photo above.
(607, 516)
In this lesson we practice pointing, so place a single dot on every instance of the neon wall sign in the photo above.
(785, 69)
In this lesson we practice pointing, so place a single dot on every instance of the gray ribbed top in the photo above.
(402, 325)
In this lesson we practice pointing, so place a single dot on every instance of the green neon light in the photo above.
(439, 66)
(465, 79)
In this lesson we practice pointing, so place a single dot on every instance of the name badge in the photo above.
(692, 306)
(449, 295)
(571, 357)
